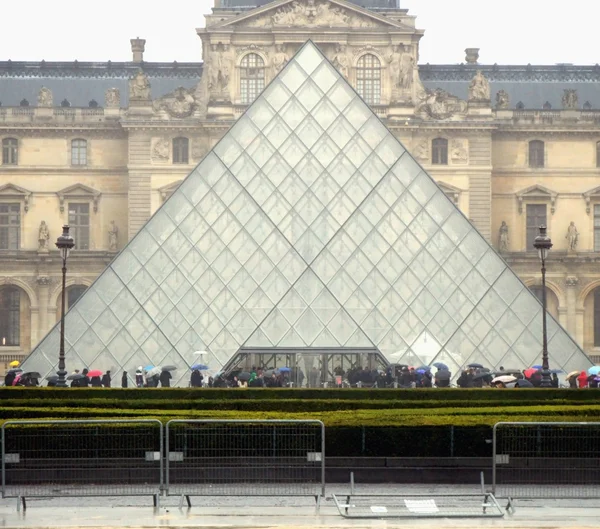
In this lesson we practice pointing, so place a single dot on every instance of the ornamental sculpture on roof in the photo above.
(179, 104)
(479, 89)
(570, 99)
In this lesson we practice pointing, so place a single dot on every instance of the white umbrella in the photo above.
(505, 379)
(153, 372)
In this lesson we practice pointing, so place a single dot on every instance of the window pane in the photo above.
(536, 217)
(79, 152)
(10, 226)
(9, 151)
(252, 77)
(368, 79)
(536, 153)
(10, 316)
(180, 150)
(79, 220)
(439, 151)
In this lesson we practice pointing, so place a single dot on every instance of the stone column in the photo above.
(43, 283)
(571, 283)
(35, 326)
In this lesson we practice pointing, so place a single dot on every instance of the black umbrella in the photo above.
(479, 376)
(443, 375)
(32, 374)
(14, 370)
(476, 366)
(169, 368)
(522, 383)
(75, 376)
(508, 372)
(52, 378)
(244, 375)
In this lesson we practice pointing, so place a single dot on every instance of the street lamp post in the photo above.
(64, 243)
(542, 244)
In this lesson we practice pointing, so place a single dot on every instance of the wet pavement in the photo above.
(277, 512)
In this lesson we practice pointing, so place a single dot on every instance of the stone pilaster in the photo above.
(43, 286)
(572, 282)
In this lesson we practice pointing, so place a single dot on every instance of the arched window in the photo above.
(181, 150)
(597, 317)
(536, 153)
(78, 152)
(368, 78)
(439, 151)
(10, 151)
(73, 294)
(10, 316)
(598, 154)
(252, 77)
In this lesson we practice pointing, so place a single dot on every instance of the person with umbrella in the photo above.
(139, 377)
(124, 380)
(85, 381)
(11, 374)
(582, 380)
(75, 379)
(94, 376)
(165, 377)
(196, 379)
(106, 380)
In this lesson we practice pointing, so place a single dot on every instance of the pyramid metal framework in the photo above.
(307, 225)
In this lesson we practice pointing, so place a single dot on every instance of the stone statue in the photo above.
(45, 98)
(502, 99)
(112, 98)
(479, 89)
(439, 104)
(570, 99)
(402, 66)
(113, 234)
(421, 151)
(503, 237)
(43, 237)
(220, 72)
(572, 237)
(180, 103)
(139, 86)
(279, 60)
(340, 60)
(161, 150)
(459, 152)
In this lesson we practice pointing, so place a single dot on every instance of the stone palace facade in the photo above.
(100, 146)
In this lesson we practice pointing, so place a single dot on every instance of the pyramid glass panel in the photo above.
(307, 225)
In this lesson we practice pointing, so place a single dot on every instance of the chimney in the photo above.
(137, 47)
(472, 55)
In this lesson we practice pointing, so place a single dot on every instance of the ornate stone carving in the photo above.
(112, 98)
(113, 235)
(180, 103)
(572, 281)
(161, 150)
(199, 148)
(279, 60)
(572, 237)
(439, 104)
(421, 151)
(459, 152)
(503, 238)
(502, 99)
(43, 281)
(312, 13)
(479, 89)
(43, 237)
(139, 87)
(570, 99)
(402, 65)
(45, 98)
(219, 71)
(341, 60)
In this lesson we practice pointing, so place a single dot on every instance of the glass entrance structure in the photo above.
(307, 226)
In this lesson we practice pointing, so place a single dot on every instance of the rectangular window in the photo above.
(536, 217)
(79, 152)
(597, 228)
(79, 220)
(10, 226)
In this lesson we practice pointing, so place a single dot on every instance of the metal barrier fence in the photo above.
(82, 458)
(546, 460)
(245, 458)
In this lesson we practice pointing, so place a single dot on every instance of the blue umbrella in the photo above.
(148, 368)
(556, 371)
(284, 369)
(200, 367)
(422, 371)
(536, 367)
(594, 370)
(441, 366)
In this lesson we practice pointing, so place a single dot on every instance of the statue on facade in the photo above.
(340, 60)
(180, 103)
(572, 237)
(113, 234)
(570, 99)
(502, 99)
(45, 98)
(219, 65)
(279, 60)
(402, 65)
(503, 237)
(112, 98)
(139, 86)
(43, 237)
(479, 89)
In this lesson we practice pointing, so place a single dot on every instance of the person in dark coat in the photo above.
(124, 381)
(96, 382)
(165, 379)
(106, 380)
(196, 379)
(139, 377)
(9, 378)
(85, 381)
(555, 382)
(573, 382)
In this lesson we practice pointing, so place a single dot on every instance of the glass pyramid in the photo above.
(307, 225)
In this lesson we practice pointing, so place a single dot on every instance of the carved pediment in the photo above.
(537, 192)
(12, 191)
(311, 13)
(169, 189)
(180, 103)
(78, 192)
(588, 196)
(439, 104)
(450, 191)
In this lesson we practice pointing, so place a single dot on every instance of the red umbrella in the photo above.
(94, 373)
(17, 378)
(529, 372)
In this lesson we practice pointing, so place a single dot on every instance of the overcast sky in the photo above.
(507, 31)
